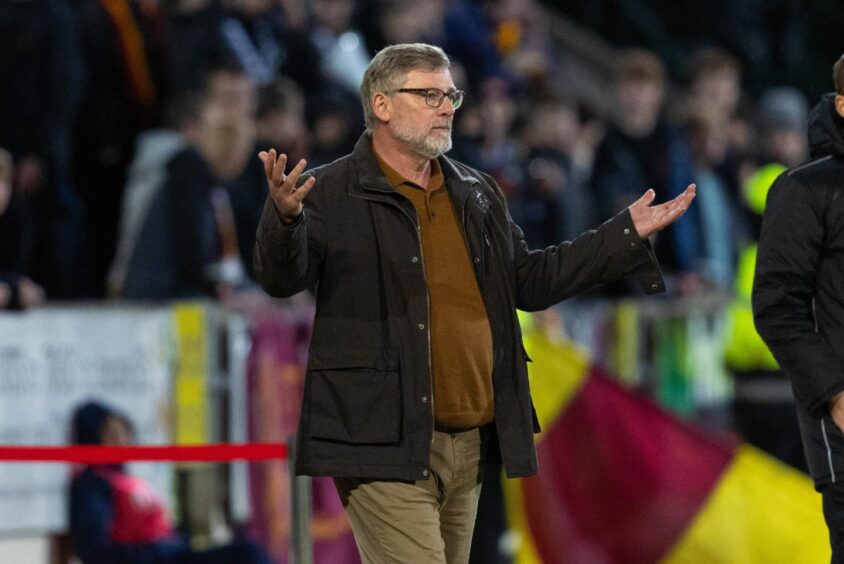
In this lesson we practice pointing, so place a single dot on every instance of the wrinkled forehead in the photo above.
(439, 78)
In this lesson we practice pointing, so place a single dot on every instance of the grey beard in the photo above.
(426, 146)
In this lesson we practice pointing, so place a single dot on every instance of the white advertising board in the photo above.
(54, 359)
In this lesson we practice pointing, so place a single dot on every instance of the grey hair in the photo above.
(389, 68)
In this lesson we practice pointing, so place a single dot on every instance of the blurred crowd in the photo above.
(130, 131)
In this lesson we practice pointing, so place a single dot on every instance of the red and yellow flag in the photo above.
(623, 481)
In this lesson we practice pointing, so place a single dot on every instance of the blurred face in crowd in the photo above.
(409, 22)
(282, 128)
(227, 122)
(116, 432)
(787, 146)
(839, 104)
(719, 89)
(336, 15)
(231, 97)
(498, 112)
(555, 126)
(710, 142)
(5, 193)
(422, 129)
(639, 103)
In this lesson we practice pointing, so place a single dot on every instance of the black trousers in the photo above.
(833, 513)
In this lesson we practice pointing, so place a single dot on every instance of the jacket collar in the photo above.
(371, 180)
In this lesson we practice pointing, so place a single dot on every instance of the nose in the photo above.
(446, 108)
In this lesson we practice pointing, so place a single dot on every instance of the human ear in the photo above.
(382, 106)
(839, 105)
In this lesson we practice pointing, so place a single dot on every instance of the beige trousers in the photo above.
(427, 521)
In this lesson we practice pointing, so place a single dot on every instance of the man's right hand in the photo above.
(836, 410)
(286, 196)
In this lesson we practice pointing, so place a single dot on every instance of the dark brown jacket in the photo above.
(366, 410)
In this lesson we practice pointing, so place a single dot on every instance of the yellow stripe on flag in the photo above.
(557, 372)
(517, 525)
(761, 511)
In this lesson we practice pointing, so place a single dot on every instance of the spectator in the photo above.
(195, 239)
(499, 151)
(147, 173)
(772, 38)
(42, 69)
(281, 118)
(336, 122)
(783, 119)
(642, 149)
(192, 30)
(118, 517)
(721, 224)
(459, 26)
(16, 290)
(342, 48)
(252, 31)
(714, 83)
(124, 52)
(550, 206)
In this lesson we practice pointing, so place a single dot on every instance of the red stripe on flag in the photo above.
(89, 454)
(619, 478)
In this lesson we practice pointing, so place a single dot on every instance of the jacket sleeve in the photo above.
(790, 245)
(91, 512)
(195, 237)
(287, 258)
(609, 253)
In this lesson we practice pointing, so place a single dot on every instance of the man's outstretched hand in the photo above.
(286, 196)
(648, 219)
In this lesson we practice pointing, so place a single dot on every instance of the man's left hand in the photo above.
(648, 219)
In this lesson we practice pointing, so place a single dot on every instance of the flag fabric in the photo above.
(623, 481)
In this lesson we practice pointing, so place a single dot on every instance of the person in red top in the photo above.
(117, 517)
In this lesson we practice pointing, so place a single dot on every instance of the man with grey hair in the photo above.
(416, 374)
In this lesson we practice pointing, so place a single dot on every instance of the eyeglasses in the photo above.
(434, 96)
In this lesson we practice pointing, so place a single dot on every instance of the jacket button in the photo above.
(425, 473)
(421, 326)
(654, 286)
(424, 399)
(626, 231)
(477, 260)
(414, 260)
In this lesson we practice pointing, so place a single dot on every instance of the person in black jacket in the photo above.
(797, 297)
(417, 374)
(17, 291)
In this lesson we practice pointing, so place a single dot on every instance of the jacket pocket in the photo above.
(355, 395)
